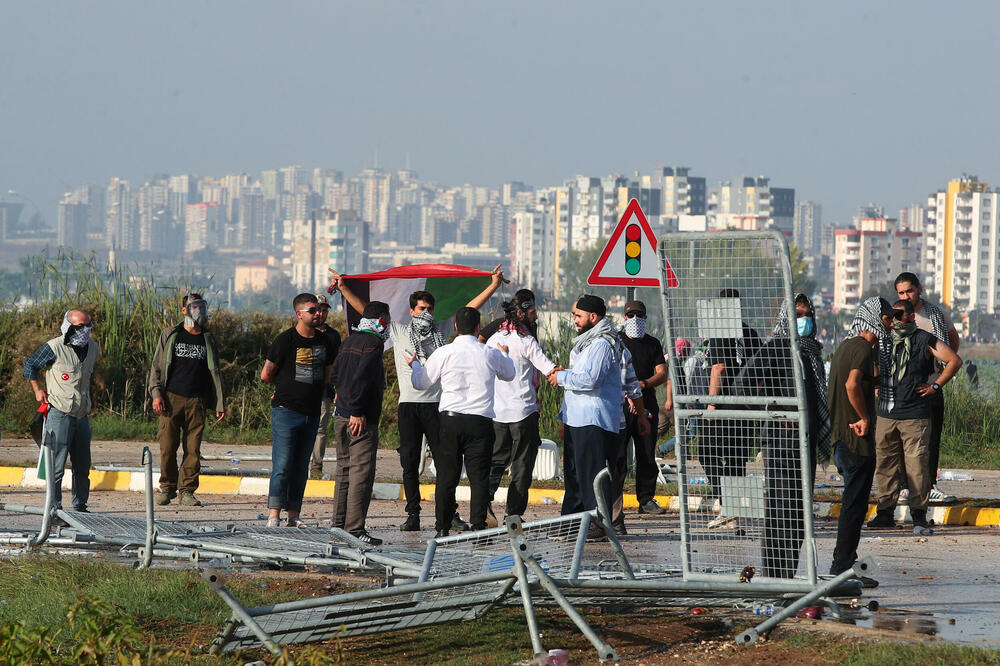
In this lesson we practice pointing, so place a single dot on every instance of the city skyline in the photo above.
(843, 101)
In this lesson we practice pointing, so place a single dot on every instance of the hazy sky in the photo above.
(847, 102)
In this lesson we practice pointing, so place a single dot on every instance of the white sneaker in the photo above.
(904, 496)
(274, 521)
(938, 497)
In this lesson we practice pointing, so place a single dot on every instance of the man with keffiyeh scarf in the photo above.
(853, 376)
(417, 415)
(933, 319)
(592, 403)
(769, 373)
(902, 433)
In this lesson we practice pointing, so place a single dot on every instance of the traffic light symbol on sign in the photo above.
(633, 249)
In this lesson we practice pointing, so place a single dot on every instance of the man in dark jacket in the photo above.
(184, 377)
(359, 375)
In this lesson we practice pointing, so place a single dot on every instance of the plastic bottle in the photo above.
(558, 657)
(697, 481)
(952, 475)
(767, 609)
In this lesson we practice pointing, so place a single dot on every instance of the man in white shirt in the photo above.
(417, 415)
(516, 406)
(467, 370)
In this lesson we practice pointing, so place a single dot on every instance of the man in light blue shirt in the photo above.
(592, 404)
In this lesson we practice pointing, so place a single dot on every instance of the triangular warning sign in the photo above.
(629, 259)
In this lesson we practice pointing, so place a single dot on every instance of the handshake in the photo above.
(553, 380)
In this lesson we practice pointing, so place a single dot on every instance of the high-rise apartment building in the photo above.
(534, 254)
(327, 238)
(202, 226)
(72, 222)
(870, 256)
(683, 194)
(155, 222)
(962, 249)
(120, 231)
(751, 203)
(806, 227)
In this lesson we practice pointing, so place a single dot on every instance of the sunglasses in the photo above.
(898, 314)
(312, 310)
(632, 315)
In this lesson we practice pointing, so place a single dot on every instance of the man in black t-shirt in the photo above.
(298, 364)
(651, 370)
(184, 376)
(903, 430)
(724, 445)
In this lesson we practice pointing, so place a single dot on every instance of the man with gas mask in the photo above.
(184, 378)
(69, 364)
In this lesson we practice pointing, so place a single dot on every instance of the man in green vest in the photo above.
(68, 362)
(183, 378)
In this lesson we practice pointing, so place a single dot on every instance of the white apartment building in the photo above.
(534, 255)
(871, 256)
(331, 238)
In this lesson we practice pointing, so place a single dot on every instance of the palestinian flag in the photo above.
(452, 286)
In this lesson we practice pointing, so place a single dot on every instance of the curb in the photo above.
(27, 477)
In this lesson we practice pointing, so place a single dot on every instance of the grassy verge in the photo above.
(174, 614)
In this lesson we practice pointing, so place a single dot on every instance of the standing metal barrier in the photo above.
(745, 466)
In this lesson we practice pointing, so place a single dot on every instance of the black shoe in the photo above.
(459, 525)
(82, 510)
(868, 583)
(652, 507)
(479, 527)
(364, 537)
(412, 523)
(439, 534)
(919, 518)
(882, 520)
(595, 533)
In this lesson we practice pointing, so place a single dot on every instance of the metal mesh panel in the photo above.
(740, 404)
(104, 526)
(386, 614)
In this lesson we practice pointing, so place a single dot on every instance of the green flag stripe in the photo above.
(452, 293)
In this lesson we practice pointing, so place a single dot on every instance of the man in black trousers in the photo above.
(852, 422)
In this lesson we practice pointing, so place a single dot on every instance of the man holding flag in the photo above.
(417, 414)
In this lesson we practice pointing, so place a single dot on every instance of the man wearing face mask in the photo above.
(651, 370)
(184, 377)
(903, 430)
(417, 416)
(68, 362)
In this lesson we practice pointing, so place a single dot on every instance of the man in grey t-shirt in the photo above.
(417, 415)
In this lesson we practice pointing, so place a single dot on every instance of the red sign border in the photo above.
(597, 280)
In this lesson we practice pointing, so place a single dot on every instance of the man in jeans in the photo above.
(903, 431)
(69, 364)
(319, 449)
(183, 377)
(359, 373)
(852, 423)
(298, 364)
